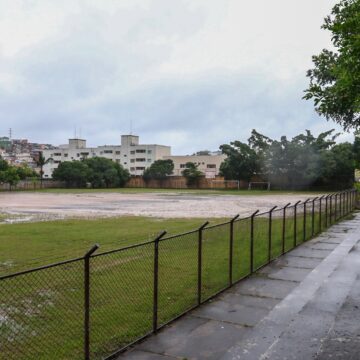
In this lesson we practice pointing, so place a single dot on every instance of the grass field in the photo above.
(27, 245)
(42, 314)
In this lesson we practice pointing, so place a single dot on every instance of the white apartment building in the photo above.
(130, 154)
(207, 164)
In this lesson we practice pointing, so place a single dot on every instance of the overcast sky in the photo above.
(192, 74)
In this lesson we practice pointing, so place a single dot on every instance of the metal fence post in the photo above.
(200, 232)
(326, 211)
(320, 212)
(304, 220)
(340, 205)
(336, 195)
(156, 280)
(87, 301)
(330, 214)
(270, 230)
(283, 227)
(347, 202)
(313, 216)
(252, 241)
(231, 245)
(295, 220)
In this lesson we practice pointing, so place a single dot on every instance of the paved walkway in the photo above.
(305, 305)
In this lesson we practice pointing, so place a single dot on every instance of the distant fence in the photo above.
(33, 185)
(179, 182)
(95, 306)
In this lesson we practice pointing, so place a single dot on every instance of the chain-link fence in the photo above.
(95, 306)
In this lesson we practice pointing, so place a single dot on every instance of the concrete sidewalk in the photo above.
(305, 305)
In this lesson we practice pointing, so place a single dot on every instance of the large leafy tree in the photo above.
(192, 174)
(97, 171)
(302, 161)
(159, 170)
(241, 163)
(335, 78)
(73, 173)
(106, 173)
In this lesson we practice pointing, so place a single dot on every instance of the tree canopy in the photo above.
(335, 78)
(11, 175)
(97, 171)
(303, 161)
(192, 174)
(159, 170)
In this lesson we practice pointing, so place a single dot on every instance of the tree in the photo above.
(104, 172)
(98, 171)
(192, 174)
(241, 162)
(10, 176)
(41, 162)
(335, 79)
(338, 166)
(73, 173)
(3, 164)
(159, 170)
(25, 172)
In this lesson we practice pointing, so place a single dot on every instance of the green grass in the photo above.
(27, 245)
(44, 309)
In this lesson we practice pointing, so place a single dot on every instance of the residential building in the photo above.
(130, 154)
(208, 164)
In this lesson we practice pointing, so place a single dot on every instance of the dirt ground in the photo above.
(47, 206)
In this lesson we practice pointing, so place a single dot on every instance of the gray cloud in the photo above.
(104, 66)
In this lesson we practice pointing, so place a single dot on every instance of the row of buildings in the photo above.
(21, 151)
(130, 153)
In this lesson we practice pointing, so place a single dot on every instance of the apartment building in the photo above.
(207, 164)
(130, 154)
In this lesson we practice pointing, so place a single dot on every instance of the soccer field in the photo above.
(46, 307)
(111, 219)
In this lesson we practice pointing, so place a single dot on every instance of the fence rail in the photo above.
(96, 306)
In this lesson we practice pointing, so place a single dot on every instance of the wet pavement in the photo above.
(305, 305)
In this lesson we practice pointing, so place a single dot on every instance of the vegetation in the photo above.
(98, 172)
(46, 306)
(159, 170)
(192, 174)
(303, 161)
(335, 78)
(13, 174)
(41, 162)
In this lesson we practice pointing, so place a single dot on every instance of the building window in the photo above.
(132, 160)
(140, 168)
(65, 155)
(118, 161)
(140, 151)
(125, 163)
(182, 166)
(149, 160)
(108, 151)
(57, 154)
(132, 152)
(140, 159)
(132, 169)
(57, 162)
(84, 153)
(117, 152)
(125, 155)
(149, 151)
(211, 166)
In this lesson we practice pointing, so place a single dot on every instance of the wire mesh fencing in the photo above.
(96, 306)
